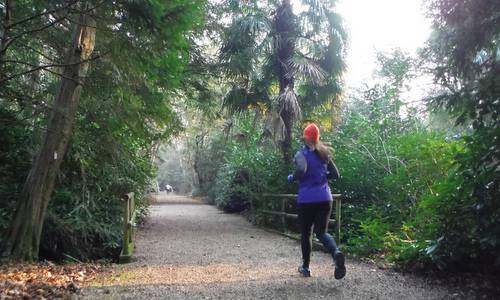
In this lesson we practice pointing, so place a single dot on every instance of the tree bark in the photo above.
(199, 148)
(4, 35)
(285, 35)
(26, 230)
(287, 142)
(334, 110)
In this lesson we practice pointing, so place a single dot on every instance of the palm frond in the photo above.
(306, 68)
(265, 45)
(236, 100)
(337, 26)
(314, 95)
(255, 24)
(243, 32)
(238, 65)
(239, 99)
(316, 6)
(245, 41)
(269, 67)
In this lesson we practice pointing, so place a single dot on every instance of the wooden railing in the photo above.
(128, 227)
(282, 207)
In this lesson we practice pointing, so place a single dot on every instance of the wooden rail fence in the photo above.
(129, 219)
(282, 210)
(128, 228)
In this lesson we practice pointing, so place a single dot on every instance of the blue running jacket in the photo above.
(313, 175)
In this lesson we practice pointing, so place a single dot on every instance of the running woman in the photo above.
(313, 168)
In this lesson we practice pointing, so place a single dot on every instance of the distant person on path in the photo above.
(313, 167)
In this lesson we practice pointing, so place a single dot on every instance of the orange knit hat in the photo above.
(311, 133)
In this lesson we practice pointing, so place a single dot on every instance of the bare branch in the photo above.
(43, 67)
(63, 76)
(11, 40)
(48, 12)
(8, 41)
(366, 153)
(37, 52)
(85, 12)
(386, 155)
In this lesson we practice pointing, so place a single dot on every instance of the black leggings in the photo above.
(316, 214)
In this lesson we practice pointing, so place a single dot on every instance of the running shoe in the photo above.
(339, 265)
(306, 272)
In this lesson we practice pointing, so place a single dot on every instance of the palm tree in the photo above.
(268, 48)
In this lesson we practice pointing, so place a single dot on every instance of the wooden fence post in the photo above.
(338, 205)
(128, 223)
(132, 220)
(271, 209)
(126, 217)
(283, 222)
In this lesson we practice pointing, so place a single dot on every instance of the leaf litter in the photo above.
(45, 280)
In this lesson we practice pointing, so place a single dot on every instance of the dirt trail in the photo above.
(190, 250)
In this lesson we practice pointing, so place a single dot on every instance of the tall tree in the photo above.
(268, 49)
(125, 102)
(284, 40)
(464, 55)
(30, 213)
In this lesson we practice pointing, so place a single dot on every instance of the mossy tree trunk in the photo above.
(24, 240)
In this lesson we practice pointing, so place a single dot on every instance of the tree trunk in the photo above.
(334, 110)
(199, 148)
(332, 113)
(287, 142)
(26, 230)
(285, 27)
(4, 35)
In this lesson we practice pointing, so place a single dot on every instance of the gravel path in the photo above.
(190, 250)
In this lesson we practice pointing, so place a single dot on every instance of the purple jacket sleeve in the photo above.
(300, 163)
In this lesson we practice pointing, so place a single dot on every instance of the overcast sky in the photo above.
(380, 25)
